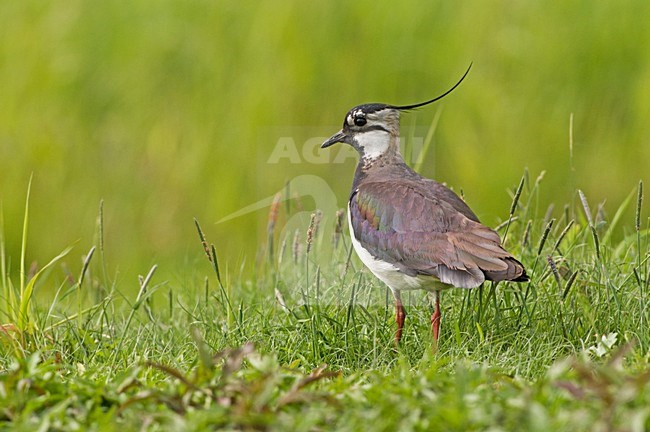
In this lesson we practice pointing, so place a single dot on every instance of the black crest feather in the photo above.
(409, 107)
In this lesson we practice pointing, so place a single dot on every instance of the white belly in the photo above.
(388, 273)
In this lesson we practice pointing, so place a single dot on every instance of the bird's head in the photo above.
(373, 129)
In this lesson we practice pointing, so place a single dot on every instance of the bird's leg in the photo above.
(435, 318)
(400, 315)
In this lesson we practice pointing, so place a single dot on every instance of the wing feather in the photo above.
(435, 239)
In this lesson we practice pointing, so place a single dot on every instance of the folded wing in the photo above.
(435, 239)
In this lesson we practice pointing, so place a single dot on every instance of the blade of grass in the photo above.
(594, 233)
(617, 217)
(25, 320)
(206, 248)
(542, 241)
(428, 140)
(513, 206)
(80, 281)
(138, 300)
(563, 234)
(3, 266)
(23, 244)
(637, 222)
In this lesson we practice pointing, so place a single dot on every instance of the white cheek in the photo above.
(373, 143)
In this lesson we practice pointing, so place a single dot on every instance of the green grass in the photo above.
(164, 111)
(307, 342)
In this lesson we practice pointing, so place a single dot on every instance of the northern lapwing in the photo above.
(410, 231)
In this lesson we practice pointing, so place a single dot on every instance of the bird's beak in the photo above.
(338, 137)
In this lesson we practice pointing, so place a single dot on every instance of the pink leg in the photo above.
(435, 318)
(400, 315)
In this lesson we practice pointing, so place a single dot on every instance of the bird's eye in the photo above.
(359, 121)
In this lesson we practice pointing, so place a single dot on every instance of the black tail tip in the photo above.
(522, 277)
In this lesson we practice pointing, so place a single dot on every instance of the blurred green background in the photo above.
(169, 110)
